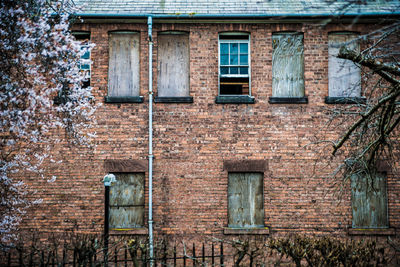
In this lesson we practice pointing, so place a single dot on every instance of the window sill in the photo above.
(131, 231)
(246, 231)
(173, 99)
(288, 100)
(344, 100)
(124, 99)
(234, 99)
(374, 231)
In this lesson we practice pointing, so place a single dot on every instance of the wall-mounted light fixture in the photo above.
(107, 180)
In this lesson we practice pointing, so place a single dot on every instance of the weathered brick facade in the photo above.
(192, 141)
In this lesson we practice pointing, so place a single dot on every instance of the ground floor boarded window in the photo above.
(127, 201)
(369, 201)
(245, 200)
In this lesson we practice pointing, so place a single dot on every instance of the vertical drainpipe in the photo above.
(151, 247)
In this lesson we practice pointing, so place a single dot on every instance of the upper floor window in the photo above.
(234, 64)
(173, 64)
(84, 64)
(287, 68)
(344, 75)
(173, 68)
(124, 65)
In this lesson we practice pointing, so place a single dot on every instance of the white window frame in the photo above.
(238, 41)
(84, 61)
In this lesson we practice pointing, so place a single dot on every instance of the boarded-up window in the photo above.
(245, 200)
(173, 65)
(234, 64)
(344, 75)
(127, 201)
(123, 72)
(369, 201)
(287, 65)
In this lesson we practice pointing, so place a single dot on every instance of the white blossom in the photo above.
(38, 62)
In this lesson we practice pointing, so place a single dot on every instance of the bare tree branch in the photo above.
(395, 93)
(375, 65)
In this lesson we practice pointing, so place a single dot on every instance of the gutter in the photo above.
(231, 16)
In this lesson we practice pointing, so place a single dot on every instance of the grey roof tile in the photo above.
(223, 7)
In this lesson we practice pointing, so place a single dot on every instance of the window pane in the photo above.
(224, 60)
(84, 66)
(224, 49)
(244, 60)
(86, 55)
(234, 48)
(244, 70)
(244, 48)
(234, 70)
(233, 60)
(224, 70)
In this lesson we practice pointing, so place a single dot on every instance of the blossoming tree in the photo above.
(39, 61)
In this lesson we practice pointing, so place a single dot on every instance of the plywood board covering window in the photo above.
(369, 201)
(123, 72)
(245, 200)
(287, 65)
(173, 65)
(344, 75)
(127, 201)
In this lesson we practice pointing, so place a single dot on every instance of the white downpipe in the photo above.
(151, 246)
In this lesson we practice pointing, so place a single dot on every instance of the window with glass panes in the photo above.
(84, 60)
(84, 63)
(234, 64)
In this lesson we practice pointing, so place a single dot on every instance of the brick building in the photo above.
(240, 91)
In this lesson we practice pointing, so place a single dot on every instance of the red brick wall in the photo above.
(191, 142)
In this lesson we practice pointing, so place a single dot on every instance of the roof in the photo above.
(220, 8)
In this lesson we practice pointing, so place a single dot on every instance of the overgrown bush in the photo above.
(77, 249)
(53, 250)
(327, 251)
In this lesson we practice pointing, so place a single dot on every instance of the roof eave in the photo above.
(234, 16)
